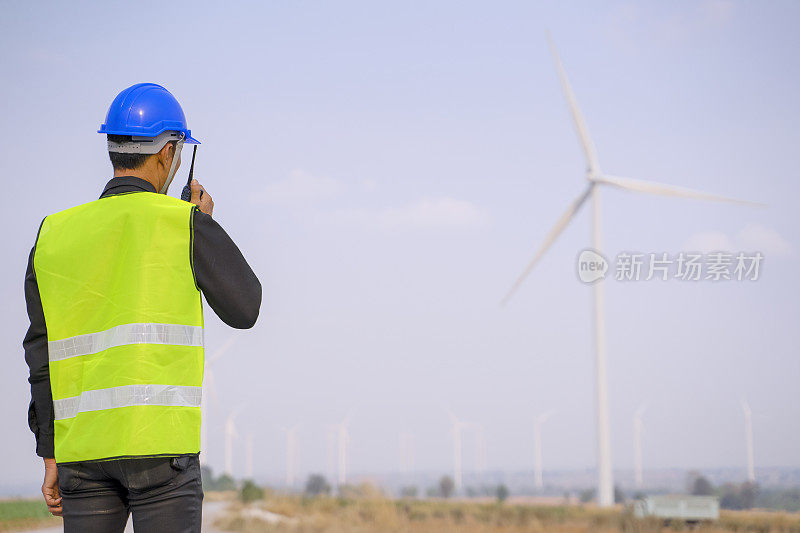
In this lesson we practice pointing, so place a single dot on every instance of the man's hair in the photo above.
(121, 161)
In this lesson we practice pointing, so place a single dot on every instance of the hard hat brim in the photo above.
(188, 139)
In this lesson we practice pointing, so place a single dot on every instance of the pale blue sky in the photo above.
(388, 170)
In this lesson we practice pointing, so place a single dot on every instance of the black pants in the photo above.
(164, 494)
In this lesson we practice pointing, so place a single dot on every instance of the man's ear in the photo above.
(166, 153)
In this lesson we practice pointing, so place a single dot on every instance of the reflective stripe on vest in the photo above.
(90, 343)
(126, 396)
(124, 322)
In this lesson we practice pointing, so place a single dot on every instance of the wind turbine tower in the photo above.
(249, 456)
(291, 454)
(341, 436)
(406, 440)
(208, 387)
(344, 437)
(537, 447)
(748, 432)
(457, 428)
(637, 445)
(480, 449)
(230, 434)
(330, 452)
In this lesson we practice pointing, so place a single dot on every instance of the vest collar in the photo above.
(125, 184)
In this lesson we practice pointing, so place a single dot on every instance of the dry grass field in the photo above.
(372, 515)
(17, 515)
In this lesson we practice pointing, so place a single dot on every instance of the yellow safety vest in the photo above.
(124, 323)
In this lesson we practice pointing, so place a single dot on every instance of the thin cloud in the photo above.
(299, 188)
(752, 238)
(763, 239)
(709, 241)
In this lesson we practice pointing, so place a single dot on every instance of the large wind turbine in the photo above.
(597, 178)
(208, 387)
(537, 447)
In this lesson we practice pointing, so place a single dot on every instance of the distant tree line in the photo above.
(588, 495)
(737, 496)
(249, 491)
(223, 482)
(747, 495)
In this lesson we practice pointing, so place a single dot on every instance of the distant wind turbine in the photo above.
(208, 387)
(248, 443)
(230, 434)
(637, 445)
(406, 445)
(342, 437)
(748, 432)
(596, 178)
(330, 452)
(537, 446)
(291, 454)
(457, 426)
(480, 448)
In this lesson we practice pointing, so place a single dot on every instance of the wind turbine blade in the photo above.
(562, 223)
(580, 125)
(651, 187)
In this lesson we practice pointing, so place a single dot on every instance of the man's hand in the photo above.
(201, 198)
(52, 497)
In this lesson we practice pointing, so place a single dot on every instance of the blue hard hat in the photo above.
(145, 110)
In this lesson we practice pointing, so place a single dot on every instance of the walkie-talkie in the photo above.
(186, 194)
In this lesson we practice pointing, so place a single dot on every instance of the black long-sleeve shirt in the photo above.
(222, 273)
